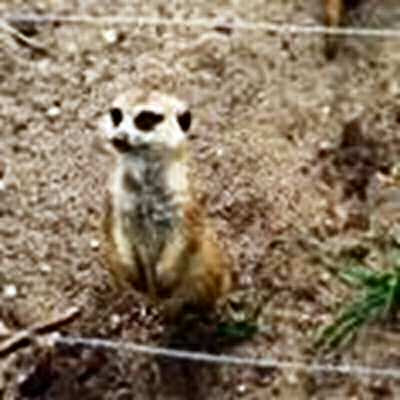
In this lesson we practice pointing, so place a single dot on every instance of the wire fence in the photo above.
(208, 23)
(265, 362)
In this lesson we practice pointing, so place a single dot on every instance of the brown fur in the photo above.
(333, 16)
(177, 261)
(194, 272)
(333, 12)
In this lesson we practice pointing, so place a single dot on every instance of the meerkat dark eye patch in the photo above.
(116, 116)
(185, 120)
(147, 120)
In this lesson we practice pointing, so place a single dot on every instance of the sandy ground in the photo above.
(288, 149)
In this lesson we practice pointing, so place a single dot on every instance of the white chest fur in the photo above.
(177, 181)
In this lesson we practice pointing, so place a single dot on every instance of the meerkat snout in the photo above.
(151, 123)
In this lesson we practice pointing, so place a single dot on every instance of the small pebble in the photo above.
(53, 112)
(143, 312)
(94, 244)
(220, 152)
(43, 66)
(292, 378)
(110, 36)
(304, 317)
(326, 110)
(45, 268)
(325, 277)
(9, 291)
(115, 321)
(241, 389)
(325, 145)
(71, 47)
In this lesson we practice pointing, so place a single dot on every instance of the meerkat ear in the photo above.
(185, 120)
(116, 116)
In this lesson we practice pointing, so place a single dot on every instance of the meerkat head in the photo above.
(138, 120)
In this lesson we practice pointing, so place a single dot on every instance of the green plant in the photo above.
(380, 295)
(236, 330)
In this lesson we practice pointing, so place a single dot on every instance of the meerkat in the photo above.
(159, 239)
(333, 16)
(333, 12)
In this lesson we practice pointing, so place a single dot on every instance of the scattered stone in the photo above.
(326, 110)
(53, 112)
(91, 76)
(325, 277)
(241, 389)
(10, 291)
(45, 268)
(71, 47)
(325, 146)
(292, 378)
(143, 312)
(115, 321)
(94, 244)
(110, 36)
(43, 66)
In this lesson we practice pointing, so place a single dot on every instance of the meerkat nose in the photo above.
(120, 144)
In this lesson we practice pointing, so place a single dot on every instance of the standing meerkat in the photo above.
(158, 237)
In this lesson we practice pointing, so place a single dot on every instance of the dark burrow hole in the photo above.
(355, 160)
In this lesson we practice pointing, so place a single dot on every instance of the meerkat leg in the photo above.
(201, 275)
(147, 272)
(210, 274)
(173, 261)
(118, 271)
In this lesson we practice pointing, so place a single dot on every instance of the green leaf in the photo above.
(237, 330)
(358, 275)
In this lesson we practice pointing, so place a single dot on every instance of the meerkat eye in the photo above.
(116, 116)
(185, 120)
(147, 120)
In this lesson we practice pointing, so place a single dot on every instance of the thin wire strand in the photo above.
(195, 356)
(237, 24)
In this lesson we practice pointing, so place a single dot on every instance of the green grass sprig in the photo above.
(380, 295)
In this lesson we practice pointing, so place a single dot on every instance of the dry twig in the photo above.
(24, 39)
(24, 337)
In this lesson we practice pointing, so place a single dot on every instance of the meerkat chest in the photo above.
(150, 194)
(176, 179)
